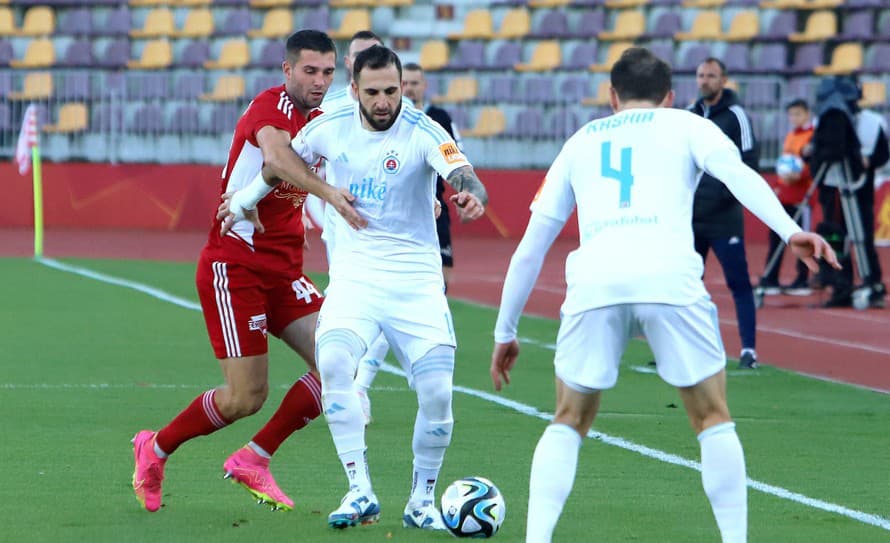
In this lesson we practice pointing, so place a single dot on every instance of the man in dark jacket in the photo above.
(414, 88)
(717, 219)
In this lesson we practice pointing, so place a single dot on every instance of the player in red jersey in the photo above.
(250, 282)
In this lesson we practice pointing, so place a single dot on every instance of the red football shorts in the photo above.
(240, 305)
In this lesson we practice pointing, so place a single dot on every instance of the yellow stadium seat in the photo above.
(277, 23)
(460, 89)
(477, 25)
(703, 3)
(195, 3)
(548, 3)
(270, 3)
(156, 55)
(545, 56)
(198, 24)
(7, 22)
(845, 59)
(821, 25)
(602, 97)
(744, 27)
(612, 56)
(353, 21)
(37, 86)
(705, 26)
(622, 4)
(227, 88)
(235, 53)
(874, 93)
(434, 55)
(39, 54)
(72, 118)
(39, 21)
(628, 25)
(158, 24)
(490, 122)
(516, 24)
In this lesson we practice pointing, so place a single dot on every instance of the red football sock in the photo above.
(200, 418)
(300, 405)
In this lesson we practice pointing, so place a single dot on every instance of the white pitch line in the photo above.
(860, 516)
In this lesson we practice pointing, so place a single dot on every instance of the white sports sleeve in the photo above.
(751, 190)
(442, 154)
(523, 272)
(306, 145)
(555, 197)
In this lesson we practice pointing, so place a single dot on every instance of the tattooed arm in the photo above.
(464, 179)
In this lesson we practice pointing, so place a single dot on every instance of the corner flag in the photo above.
(27, 155)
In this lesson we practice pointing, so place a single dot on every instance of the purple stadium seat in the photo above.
(539, 90)
(460, 117)
(116, 54)
(574, 89)
(582, 56)
(554, 24)
(666, 25)
(780, 26)
(528, 123)
(591, 23)
(759, 92)
(223, 118)
(664, 3)
(864, 4)
(806, 57)
(270, 56)
(686, 91)
(106, 117)
(116, 24)
(500, 89)
(6, 53)
(692, 57)
(185, 120)
(878, 58)
(79, 53)
(563, 123)
(189, 86)
(663, 50)
(148, 118)
(317, 19)
(5, 118)
(587, 3)
(858, 25)
(194, 55)
(236, 3)
(148, 85)
(265, 81)
(507, 55)
(236, 23)
(76, 22)
(743, 3)
(884, 26)
(113, 84)
(770, 58)
(802, 87)
(469, 55)
(74, 86)
(736, 58)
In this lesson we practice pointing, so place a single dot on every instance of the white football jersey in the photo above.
(632, 177)
(392, 175)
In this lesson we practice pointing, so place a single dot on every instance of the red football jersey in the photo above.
(280, 248)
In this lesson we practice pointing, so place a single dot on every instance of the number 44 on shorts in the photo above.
(304, 290)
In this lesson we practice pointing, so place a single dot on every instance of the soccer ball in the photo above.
(473, 507)
(788, 164)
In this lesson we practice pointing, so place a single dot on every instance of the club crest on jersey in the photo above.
(391, 163)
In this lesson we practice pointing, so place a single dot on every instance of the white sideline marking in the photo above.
(860, 516)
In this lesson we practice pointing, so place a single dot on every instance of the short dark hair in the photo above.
(798, 102)
(312, 40)
(716, 61)
(366, 35)
(412, 67)
(375, 58)
(640, 75)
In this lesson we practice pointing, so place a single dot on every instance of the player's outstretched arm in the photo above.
(471, 196)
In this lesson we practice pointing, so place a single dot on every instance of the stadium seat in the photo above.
(7, 22)
(770, 58)
(198, 24)
(194, 55)
(271, 55)
(602, 97)
(156, 55)
(39, 21)
(539, 90)
(582, 56)
(226, 88)
(822, 4)
(149, 3)
(859, 25)
(783, 4)
(78, 54)
(317, 19)
(234, 54)
(554, 24)
(194, 3)
(468, 55)
(72, 118)
(507, 55)
(821, 25)
(460, 89)
(629, 24)
(744, 27)
(236, 23)
(780, 26)
(490, 122)
(351, 3)
(477, 25)
(353, 21)
(36, 86)
(703, 3)
(277, 23)
(395, 3)
(158, 23)
(434, 55)
(76, 22)
(878, 60)
(612, 56)
(270, 3)
(705, 26)
(592, 22)
(516, 24)
(546, 56)
(548, 3)
(736, 57)
(623, 4)
(874, 93)
(665, 26)
(6, 54)
(115, 55)
(39, 54)
(845, 59)
(806, 57)
(117, 23)
(528, 123)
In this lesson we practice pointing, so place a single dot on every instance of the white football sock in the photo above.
(723, 477)
(552, 477)
(432, 378)
(369, 365)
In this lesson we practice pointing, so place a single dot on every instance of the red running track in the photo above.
(836, 344)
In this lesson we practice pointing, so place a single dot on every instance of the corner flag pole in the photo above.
(38, 201)
(27, 155)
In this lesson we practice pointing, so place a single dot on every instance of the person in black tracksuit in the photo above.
(717, 219)
(414, 88)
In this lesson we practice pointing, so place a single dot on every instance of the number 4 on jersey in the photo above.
(623, 175)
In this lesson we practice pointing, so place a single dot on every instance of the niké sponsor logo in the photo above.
(368, 189)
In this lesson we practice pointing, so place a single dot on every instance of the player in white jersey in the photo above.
(386, 277)
(632, 177)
